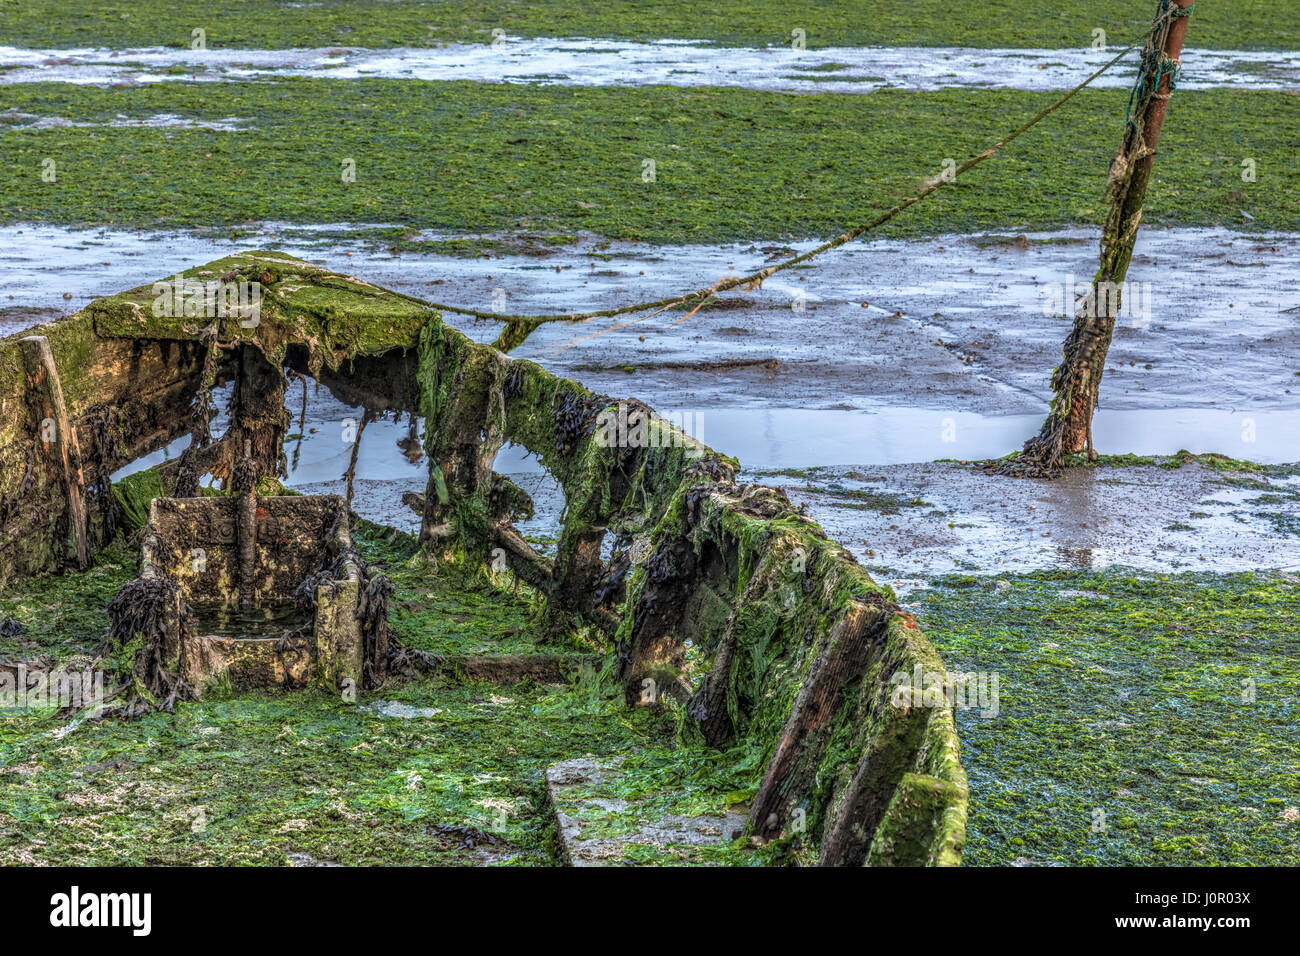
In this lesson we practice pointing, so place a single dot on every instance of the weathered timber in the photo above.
(122, 398)
(719, 596)
(789, 775)
(56, 435)
(198, 546)
(1076, 382)
(258, 418)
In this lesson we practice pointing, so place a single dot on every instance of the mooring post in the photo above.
(1154, 118)
(1076, 382)
(55, 436)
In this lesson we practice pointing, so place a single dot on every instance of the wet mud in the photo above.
(596, 62)
(949, 358)
(919, 520)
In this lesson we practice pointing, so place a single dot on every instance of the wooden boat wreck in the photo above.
(718, 596)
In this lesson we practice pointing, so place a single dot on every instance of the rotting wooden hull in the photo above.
(800, 649)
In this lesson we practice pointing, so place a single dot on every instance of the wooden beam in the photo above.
(56, 438)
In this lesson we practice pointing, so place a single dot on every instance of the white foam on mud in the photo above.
(588, 62)
(401, 711)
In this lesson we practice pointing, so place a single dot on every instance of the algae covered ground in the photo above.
(271, 24)
(1143, 719)
(1140, 719)
(1142, 716)
(730, 164)
(434, 771)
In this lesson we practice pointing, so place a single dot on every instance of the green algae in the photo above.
(1124, 702)
(825, 483)
(65, 613)
(383, 23)
(798, 607)
(255, 777)
(655, 784)
(267, 778)
(863, 499)
(1284, 522)
(448, 612)
(749, 166)
(274, 778)
(1216, 462)
(136, 492)
(1209, 460)
(338, 318)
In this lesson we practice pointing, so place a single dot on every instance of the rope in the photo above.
(517, 324)
(1155, 62)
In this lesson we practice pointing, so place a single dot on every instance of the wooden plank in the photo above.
(791, 776)
(55, 436)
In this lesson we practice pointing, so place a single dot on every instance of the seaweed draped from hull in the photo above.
(150, 618)
(382, 652)
(718, 599)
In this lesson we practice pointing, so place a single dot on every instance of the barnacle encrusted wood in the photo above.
(716, 597)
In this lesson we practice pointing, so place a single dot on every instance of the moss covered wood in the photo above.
(1076, 382)
(720, 597)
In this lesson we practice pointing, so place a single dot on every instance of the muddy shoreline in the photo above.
(598, 62)
(955, 323)
(949, 359)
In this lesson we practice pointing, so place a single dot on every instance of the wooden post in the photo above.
(55, 436)
(1173, 50)
(790, 776)
(1076, 383)
(259, 419)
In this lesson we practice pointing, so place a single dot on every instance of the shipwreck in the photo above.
(721, 597)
